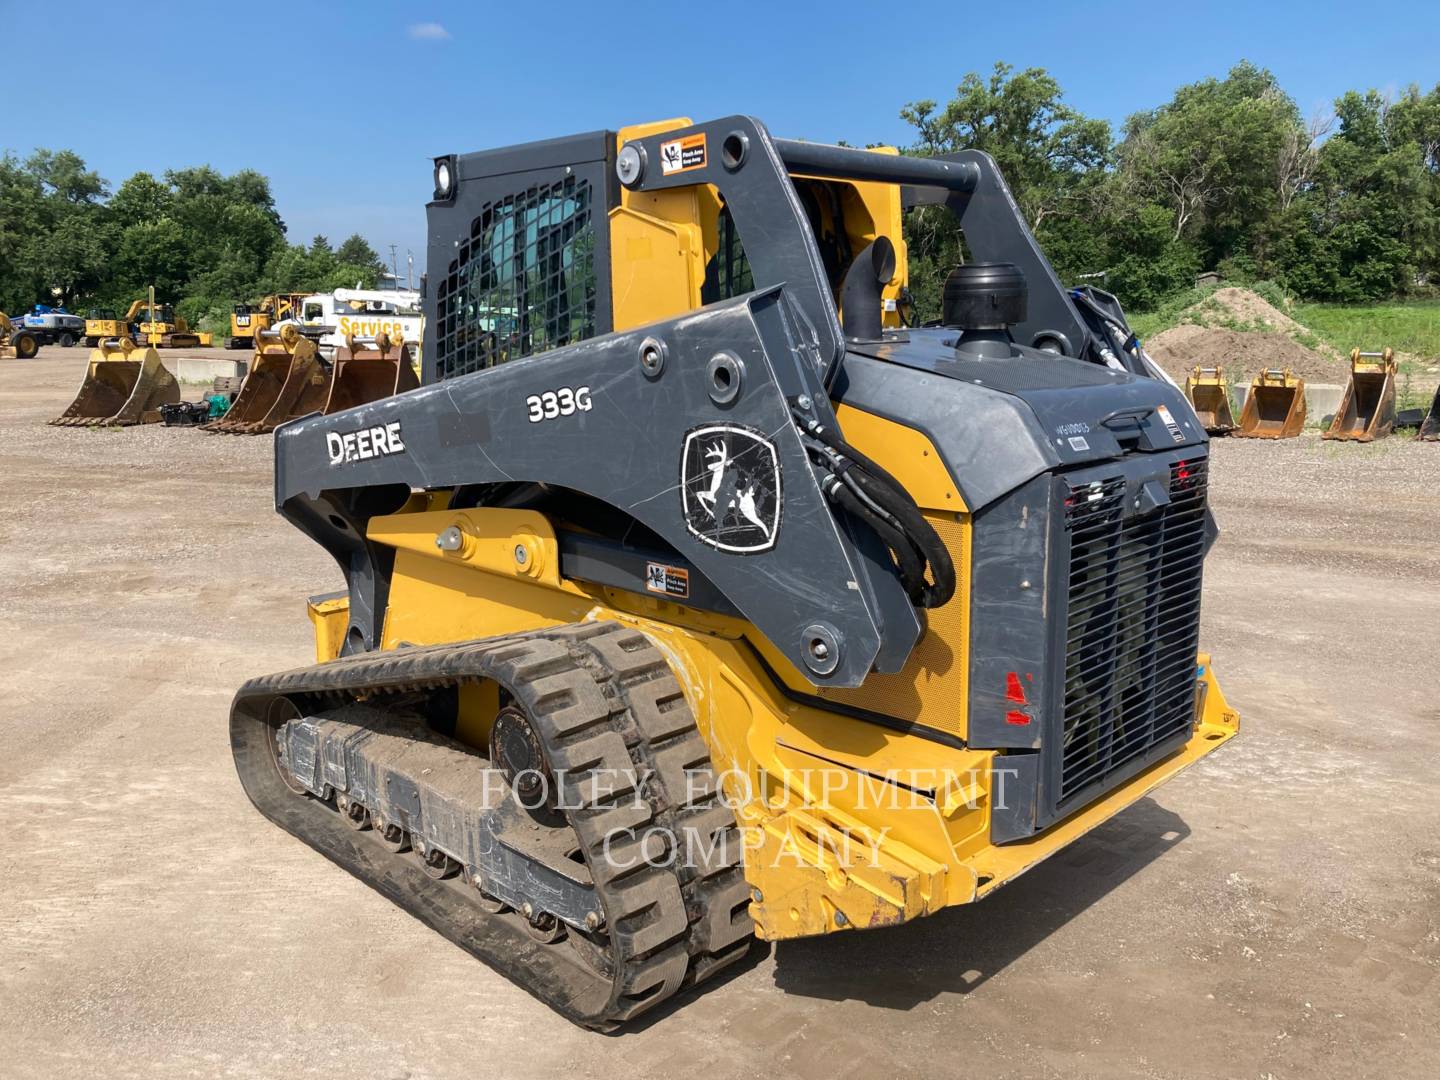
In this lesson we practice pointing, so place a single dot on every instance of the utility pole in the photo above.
(394, 266)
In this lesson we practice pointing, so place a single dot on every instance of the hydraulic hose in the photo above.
(890, 503)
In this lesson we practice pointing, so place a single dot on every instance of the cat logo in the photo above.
(730, 488)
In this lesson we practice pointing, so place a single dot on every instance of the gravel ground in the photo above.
(1272, 913)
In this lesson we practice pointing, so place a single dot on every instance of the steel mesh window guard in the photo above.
(523, 282)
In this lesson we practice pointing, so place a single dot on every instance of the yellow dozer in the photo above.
(248, 320)
(16, 343)
(1209, 392)
(167, 330)
(124, 384)
(702, 594)
(1274, 408)
(101, 324)
(1367, 407)
(286, 379)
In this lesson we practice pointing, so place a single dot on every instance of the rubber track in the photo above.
(613, 718)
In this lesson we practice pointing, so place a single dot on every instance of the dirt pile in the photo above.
(1243, 332)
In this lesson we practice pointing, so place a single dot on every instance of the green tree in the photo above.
(1215, 155)
(356, 251)
(1052, 157)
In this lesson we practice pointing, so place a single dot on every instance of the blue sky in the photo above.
(343, 105)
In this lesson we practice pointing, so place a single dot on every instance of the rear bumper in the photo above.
(928, 853)
(1216, 725)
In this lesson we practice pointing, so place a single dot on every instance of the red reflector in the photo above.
(1019, 719)
(1013, 690)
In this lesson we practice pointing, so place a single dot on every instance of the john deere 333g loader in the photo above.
(697, 596)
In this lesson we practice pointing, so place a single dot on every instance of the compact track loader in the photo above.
(693, 598)
(1367, 406)
(286, 379)
(125, 384)
(1209, 392)
(1274, 408)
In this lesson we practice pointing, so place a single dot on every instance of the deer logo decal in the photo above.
(730, 488)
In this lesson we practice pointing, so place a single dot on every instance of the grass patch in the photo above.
(1149, 323)
(1407, 326)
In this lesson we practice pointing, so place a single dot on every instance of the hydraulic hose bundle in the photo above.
(868, 492)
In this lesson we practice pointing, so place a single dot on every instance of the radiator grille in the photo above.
(523, 282)
(1132, 627)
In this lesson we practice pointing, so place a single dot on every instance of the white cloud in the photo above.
(428, 31)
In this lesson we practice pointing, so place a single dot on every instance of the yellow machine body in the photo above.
(1367, 406)
(846, 826)
(662, 241)
(1274, 408)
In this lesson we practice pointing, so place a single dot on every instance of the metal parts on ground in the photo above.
(1274, 408)
(1209, 392)
(1367, 407)
(286, 379)
(124, 385)
(15, 341)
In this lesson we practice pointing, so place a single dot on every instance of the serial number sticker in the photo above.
(667, 580)
(565, 401)
(1077, 442)
(682, 155)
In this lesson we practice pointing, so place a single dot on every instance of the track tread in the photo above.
(606, 705)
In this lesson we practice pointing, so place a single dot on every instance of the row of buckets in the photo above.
(126, 384)
(1275, 406)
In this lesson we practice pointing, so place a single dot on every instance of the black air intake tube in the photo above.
(860, 300)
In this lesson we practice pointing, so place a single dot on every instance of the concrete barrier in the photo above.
(197, 369)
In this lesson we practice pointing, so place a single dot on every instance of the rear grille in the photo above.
(1132, 626)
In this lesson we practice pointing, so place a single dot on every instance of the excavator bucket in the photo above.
(368, 369)
(1275, 407)
(1430, 426)
(125, 384)
(1209, 394)
(1367, 407)
(286, 380)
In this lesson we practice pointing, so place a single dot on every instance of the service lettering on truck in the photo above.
(372, 442)
(370, 327)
